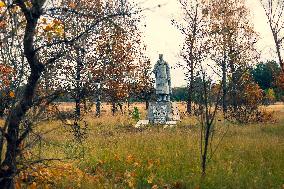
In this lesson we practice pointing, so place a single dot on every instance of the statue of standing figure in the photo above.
(163, 80)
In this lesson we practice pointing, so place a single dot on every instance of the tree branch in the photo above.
(89, 29)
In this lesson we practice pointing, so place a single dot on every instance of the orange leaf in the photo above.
(72, 5)
(12, 94)
(32, 186)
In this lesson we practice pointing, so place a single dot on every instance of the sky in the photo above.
(163, 38)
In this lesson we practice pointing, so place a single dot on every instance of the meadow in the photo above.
(117, 155)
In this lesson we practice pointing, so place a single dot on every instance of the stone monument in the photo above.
(163, 111)
(163, 80)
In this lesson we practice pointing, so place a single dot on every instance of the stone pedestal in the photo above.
(163, 112)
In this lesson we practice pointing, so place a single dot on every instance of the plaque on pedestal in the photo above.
(162, 112)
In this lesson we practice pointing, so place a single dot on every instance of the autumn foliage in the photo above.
(249, 99)
(91, 51)
(5, 76)
(280, 81)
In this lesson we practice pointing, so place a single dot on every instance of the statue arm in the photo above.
(155, 69)
(169, 78)
(168, 73)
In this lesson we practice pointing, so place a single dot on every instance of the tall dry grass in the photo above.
(116, 155)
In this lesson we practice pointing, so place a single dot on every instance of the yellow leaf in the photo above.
(131, 183)
(59, 31)
(48, 28)
(44, 20)
(28, 4)
(2, 4)
(150, 179)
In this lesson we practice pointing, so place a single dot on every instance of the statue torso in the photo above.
(162, 74)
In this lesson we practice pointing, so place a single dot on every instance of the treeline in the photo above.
(265, 74)
(221, 59)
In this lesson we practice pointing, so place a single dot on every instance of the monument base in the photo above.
(143, 123)
(163, 112)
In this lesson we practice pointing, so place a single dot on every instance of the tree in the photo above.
(117, 61)
(220, 36)
(233, 44)
(274, 10)
(42, 44)
(269, 97)
(179, 94)
(143, 86)
(193, 27)
(279, 84)
(209, 96)
(265, 74)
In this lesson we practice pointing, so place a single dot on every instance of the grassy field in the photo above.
(116, 155)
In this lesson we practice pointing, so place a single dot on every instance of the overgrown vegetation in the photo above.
(89, 52)
(119, 156)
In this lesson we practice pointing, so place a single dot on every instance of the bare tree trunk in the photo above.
(1, 144)
(98, 99)
(207, 123)
(120, 107)
(147, 104)
(190, 92)
(8, 168)
(189, 102)
(98, 107)
(113, 109)
(192, 60)
(2, 140)
(206, 142)
(234, 86)
(224, 85)
(277, 45)
(207, 118)
(191, 66)
(77, 107)
(78, 86)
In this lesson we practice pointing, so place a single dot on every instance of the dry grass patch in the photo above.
(116, 155)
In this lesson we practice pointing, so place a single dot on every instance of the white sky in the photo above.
(163, 38)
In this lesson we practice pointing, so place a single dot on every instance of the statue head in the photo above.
(161, 56)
